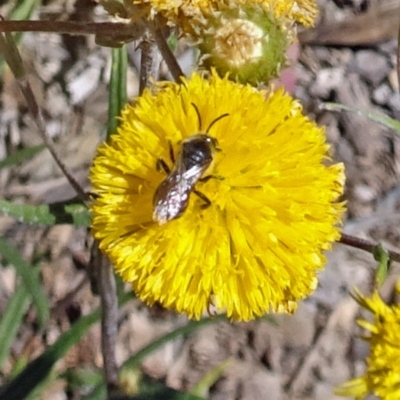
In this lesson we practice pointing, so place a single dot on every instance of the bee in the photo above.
(171, 197)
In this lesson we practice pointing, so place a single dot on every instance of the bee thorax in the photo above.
(197, 151)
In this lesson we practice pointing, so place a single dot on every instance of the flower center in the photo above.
(239, 42)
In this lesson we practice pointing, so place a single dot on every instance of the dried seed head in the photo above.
(239, 41)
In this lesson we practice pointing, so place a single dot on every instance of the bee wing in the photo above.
(172, 196)
(193, 174)
(170, 199)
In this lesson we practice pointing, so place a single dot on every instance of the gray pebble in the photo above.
(371, 66)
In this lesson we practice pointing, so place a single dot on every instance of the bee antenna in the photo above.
(216, 120)
(198, 115)
(212, 123)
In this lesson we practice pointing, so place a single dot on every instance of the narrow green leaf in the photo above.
(37, 370)
(114, 8)
(21, 155)
(40, 390)
(372, 115)
(21, 10)
(212, 376)
(99, 393)
(158, 393)
(190, 327)
(382, 256)
(78, 211)
(117, 91)
(30, 279)
(137, 358)
(19, 364)
(47, 214)
(82, 379)
(151, 389)
(11, 320)
(29, 214)
(12, 56)
(172, 41)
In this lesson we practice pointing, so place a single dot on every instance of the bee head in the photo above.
(212, 142)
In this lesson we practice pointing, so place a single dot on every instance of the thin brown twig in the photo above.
(112, 34)
(105, 281)
(116, 29)
(366, 245)
(38, 117)
(109, 322)
(167, 54)
(398, 59)
(149, 63)
(13, 58)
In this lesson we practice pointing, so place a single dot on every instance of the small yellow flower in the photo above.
(382, 376)
(259, 244)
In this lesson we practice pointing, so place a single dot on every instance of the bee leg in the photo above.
(207, 201)
(171, 152)
(208, 177)
(161, 165)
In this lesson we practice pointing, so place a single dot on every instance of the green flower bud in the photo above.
(247, 43)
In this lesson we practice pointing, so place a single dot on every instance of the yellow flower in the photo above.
(382, 376)
(180, 11)
(258, 245)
